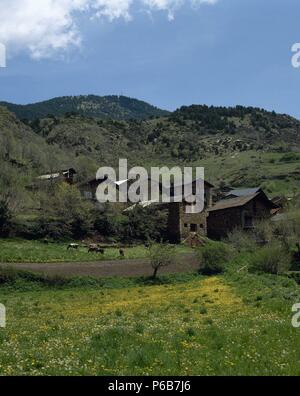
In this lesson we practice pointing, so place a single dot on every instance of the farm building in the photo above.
(181, 224)
(242, 192)
(88, 189)
(66, 175)
(240, 209)
(51, 178)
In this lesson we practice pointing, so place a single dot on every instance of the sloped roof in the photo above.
(143, 204)
(55, 175)
(50, 176)
(241, 201)
(232, 202)
(243, 192)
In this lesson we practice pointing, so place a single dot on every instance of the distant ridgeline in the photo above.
(114, 107)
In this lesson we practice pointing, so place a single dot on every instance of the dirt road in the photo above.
(126, 268)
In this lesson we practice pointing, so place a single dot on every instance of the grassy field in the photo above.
(272, 171)
(23, 251)
(236, 324)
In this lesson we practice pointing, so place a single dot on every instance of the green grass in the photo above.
(236, 324)
(24, 251)
(251, 168)
(182, 324)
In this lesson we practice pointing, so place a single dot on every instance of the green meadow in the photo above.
(234, 324)
(25, 251)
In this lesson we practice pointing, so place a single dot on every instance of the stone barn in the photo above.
(240, 211)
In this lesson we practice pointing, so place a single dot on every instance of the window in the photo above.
(193, 227)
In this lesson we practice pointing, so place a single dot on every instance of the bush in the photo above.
(288, 229)
(65, 214)
(5, 218)
(265, 231)
(242, 241)
(271, 259)
(290, 157)
(139, 224)
(214, 257)
(295, 276)
(146, 224)
(111, 222)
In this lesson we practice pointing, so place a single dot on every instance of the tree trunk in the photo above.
(155, 273)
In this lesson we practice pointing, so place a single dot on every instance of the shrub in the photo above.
(65, 213)
(26, 228)
(146, 224)
(7, 276)
(5, 218)
(203, 311)
(265, 231)
(214, 257)
(295, 276)
(271, 259)
(139, 224)
(290, 157)
(288, 229)
(110, 222)
(242, 241)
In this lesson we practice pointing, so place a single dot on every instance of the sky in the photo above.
(167, 52)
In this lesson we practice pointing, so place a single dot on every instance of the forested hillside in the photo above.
(237, 146)
(115, 107)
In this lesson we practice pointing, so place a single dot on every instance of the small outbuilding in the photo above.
(66, 175)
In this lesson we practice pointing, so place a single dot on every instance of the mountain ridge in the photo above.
(102, 107)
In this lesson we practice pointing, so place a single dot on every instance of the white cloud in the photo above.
(170, 6)
(43, 27)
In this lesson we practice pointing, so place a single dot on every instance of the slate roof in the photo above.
(57, 174)
(243, 192)
(232, 202)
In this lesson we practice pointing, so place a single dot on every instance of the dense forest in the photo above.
(104, 107)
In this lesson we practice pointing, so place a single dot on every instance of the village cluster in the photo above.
(223, 211)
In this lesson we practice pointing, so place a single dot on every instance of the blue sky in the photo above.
(228, 53)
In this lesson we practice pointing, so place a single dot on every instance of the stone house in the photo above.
(181, 224)
(240, 210)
